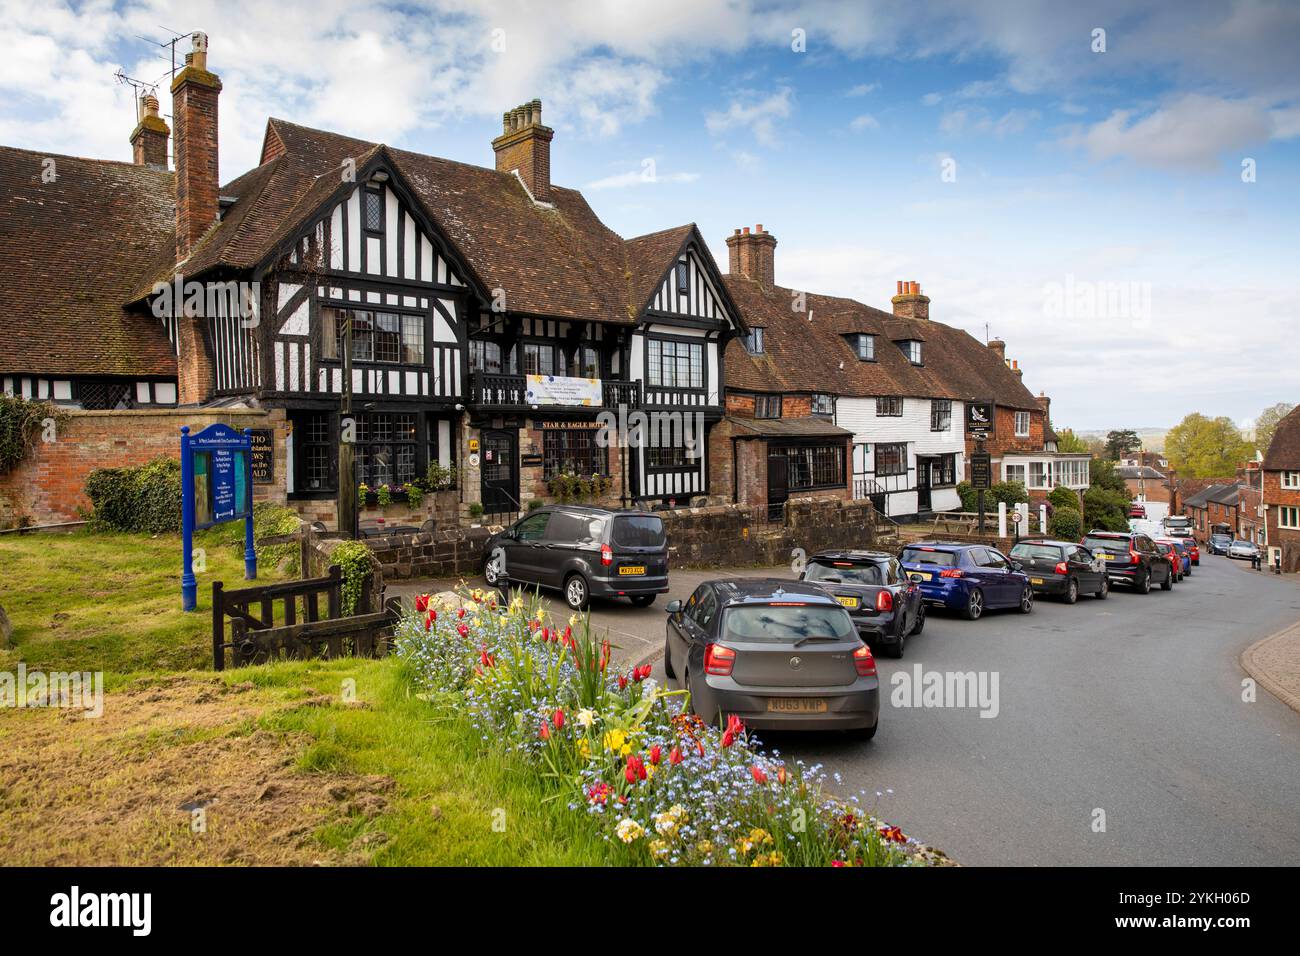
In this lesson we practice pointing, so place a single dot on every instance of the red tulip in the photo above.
(558, 719)
(545, 732)
(422, 602)
(656, 754)
(759, 775)
(675, 755)
(635, 769)
(781, 775)
(838, 863)
(460, 612)
(622, 682)
(462, 630)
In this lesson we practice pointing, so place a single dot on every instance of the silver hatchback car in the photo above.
(777, 654)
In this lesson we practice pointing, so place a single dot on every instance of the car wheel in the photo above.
(575, 592)
(1026, 600)
(668, 659)
(919, 624)
(1072, 591)
(1144, 584)
(864, 733)
(974, 604)
(642, 600)
(1104, 591)
(1168, 583)
(492, 571)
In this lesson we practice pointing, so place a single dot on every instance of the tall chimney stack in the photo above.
(194, 110)
(909, 303)
(524, 146)
(149, 140)
(753, 255)
(998, 348)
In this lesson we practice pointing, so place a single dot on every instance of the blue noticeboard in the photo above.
(216, 487)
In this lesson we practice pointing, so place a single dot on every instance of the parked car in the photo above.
(967, 578)
(1184, 564)
(1167, 549)
(1193, 549)
(885, 605)
(582, 552)
(778, 654)
(1063, 569)
(1131, 559)
(1137, 510)
(1219, 543)
(1243, 549)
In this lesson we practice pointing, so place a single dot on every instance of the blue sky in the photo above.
(1116, 172)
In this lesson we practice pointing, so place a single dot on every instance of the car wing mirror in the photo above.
(673, 607)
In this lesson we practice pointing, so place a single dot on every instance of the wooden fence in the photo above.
(259, 632)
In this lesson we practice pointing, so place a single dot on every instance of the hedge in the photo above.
(144, 499)
(1066, 524)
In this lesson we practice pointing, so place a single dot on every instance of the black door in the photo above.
(499, 472)
(923, 474)
(778, 484)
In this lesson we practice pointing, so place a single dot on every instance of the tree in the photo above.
(1267, 421)
(1201, 447)
(1105, 509)
(1063, 497)
(1067, 440)
(1103, 475)
(1121, 442)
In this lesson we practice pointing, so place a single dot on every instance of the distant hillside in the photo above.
(1153, 439)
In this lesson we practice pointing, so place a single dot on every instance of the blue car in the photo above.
(967, 578)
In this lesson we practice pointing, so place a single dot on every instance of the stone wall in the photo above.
(48, 486)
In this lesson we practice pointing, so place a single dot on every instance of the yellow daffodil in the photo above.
(615, 740)
(585, 717)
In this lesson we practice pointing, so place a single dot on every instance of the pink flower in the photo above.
(422, 602)
(759, 774)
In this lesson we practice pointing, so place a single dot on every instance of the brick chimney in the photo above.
(999, 348)
(149, 140)
(524, 146)
(1045, 404)
(194, 110)
(1015, 367)
(909, 302)
(753, 255)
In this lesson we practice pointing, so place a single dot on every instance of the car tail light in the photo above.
(1133, 556)
(950, 573)
(719, 659)
(1062, 568)
(864, 662)
(606, 555)
(884, 601)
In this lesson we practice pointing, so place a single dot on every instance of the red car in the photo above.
(1193, 550)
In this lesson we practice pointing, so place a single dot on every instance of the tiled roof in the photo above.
(808, 427)
(560, 261)
(73, 248)
(1134, 471)
(807, 352)
(1284, 449)
(1224, 494)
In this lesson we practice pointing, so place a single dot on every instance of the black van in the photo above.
(582, 552)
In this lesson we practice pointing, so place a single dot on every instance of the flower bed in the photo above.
(661, 785)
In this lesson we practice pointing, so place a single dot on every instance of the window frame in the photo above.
(904, 465)
(1028, 419)
(764, 405)
(941, 406)
(1282, 516)
(753, 342)
(799, 454)
(912, 351)
(368, 193)
(682, 274)
(890, 399)
(822, 397)
(864, 342)
(655, 346)
(1290, 480)
(593, 450)
(331, 335)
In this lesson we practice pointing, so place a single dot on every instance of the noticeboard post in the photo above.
(216, 487)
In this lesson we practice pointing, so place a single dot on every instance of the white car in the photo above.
(1242, 549)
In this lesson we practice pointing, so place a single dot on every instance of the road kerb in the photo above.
(1253, 664)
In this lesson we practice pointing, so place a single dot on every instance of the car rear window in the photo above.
(947, 559)
(845, 572)
(575, 527)
(781, 623)
(1106, 544)
(1047, 552)
(638, 531)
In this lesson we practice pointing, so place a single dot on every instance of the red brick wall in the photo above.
(529, 151)
(1285, 538)
(1153, 488)
(49, 485)
(1004, 438)
(194, 111)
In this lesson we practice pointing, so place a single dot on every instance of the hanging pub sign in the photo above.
(979, 419)
(216, 487)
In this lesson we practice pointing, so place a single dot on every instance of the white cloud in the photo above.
(864, 122)
(862, 89)
(647, 175)
(1193, 131)
(758, 115)
(979, 120)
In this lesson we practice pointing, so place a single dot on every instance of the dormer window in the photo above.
(912, 349)
(864, 346)
(754, 341)
(373, 210)
(683, 278)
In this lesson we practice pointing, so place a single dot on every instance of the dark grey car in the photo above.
(582, 552)
(777, 654)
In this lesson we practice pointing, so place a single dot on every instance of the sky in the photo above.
(1111, 190)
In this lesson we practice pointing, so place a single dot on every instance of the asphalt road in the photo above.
(1132, 706)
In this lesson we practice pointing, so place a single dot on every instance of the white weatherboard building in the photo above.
(910, 450)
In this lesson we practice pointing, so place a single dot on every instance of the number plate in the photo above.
(1102, 555)
(632, 569)
(846, 600)
(1035, 580)
(925, 575)
(796, 705)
